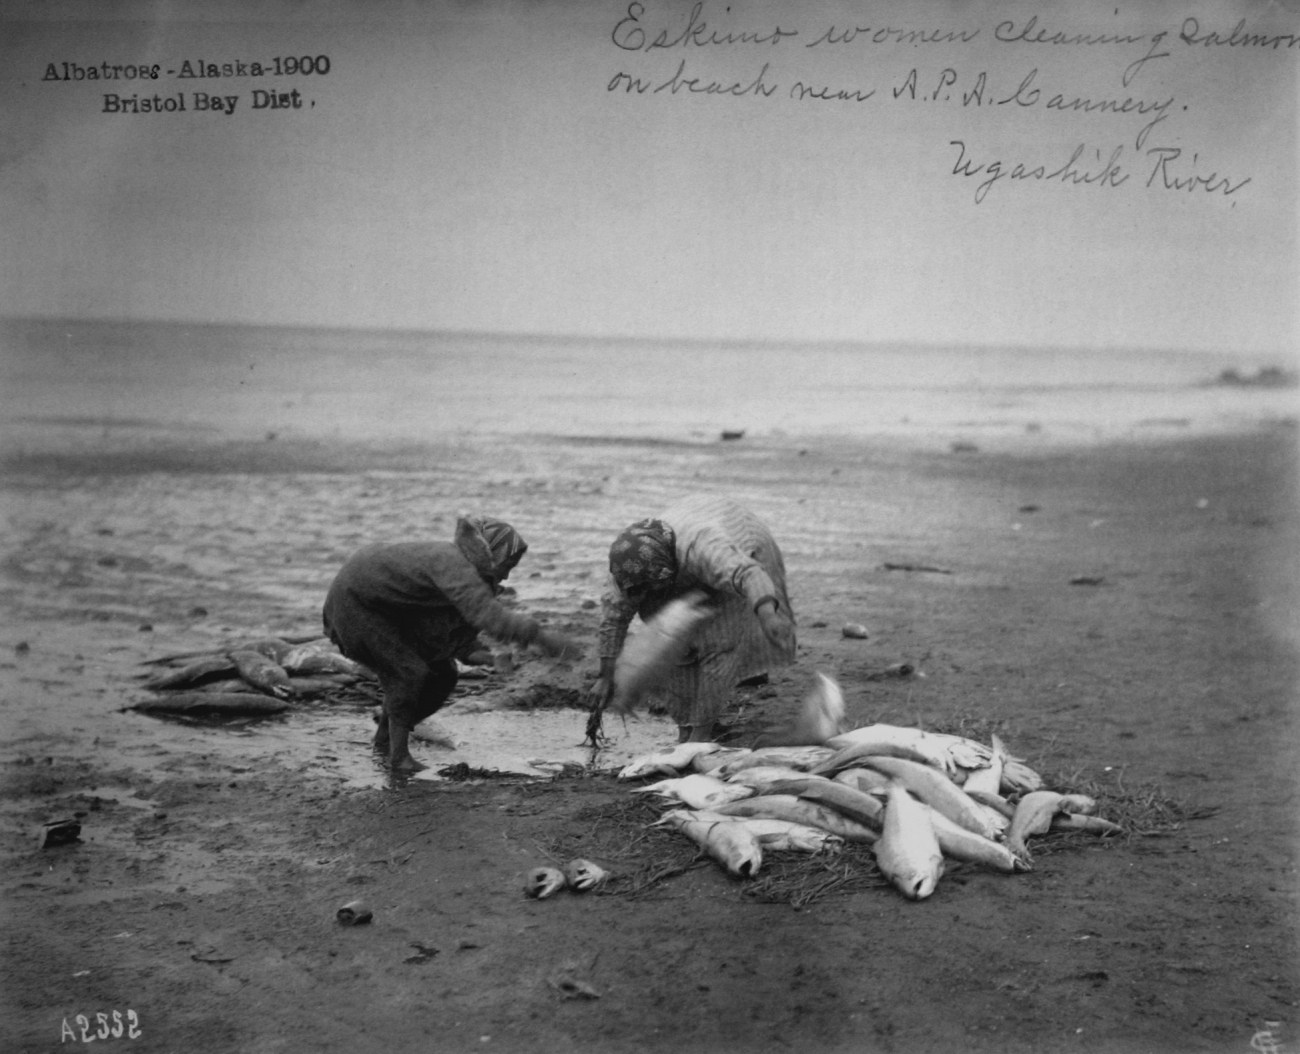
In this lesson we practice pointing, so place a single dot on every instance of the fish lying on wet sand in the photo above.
(939, 792)
(1071, 821)
(782, 835)
(728, 841)
(908, 852)
(192, 673)
(1034, 813)
(668, 761)
(801, 758)
(697, 791)
(793, 809)
(262, 673)
(866, 809)
(940, 750)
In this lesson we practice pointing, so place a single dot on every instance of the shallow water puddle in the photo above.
(532, 742)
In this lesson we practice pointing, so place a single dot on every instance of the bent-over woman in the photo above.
(408, 610)
(719, 547)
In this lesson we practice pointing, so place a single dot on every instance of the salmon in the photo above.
(865, 809)
(1071, 821)
(211, 703)
(1019, 777)
(309, 659)
(650, 655)
(208, 667)
(987, 779)
(668, 761)
(958, 843)
(728, 841)
(262, 673)
(697, 791)
(1034, 814)
(711, 762)
(801, 811)
(802, 758)
(782, 835)
(908, 852)
(937, 791)
(869, 781)
(763, 777)
(941, 751)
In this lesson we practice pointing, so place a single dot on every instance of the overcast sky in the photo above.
(494, 167)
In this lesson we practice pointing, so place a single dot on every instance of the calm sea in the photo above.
(245, 381)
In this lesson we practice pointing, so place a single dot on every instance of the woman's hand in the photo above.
(777, 627)
(602, 688)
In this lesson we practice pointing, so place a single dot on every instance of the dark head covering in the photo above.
(492, 546)
(644, 557)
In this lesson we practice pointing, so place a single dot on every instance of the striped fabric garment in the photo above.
(726, 550)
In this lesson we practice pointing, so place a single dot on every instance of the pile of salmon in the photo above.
(256, 677)
(918, 798)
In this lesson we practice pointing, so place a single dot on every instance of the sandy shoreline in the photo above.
(221, 853)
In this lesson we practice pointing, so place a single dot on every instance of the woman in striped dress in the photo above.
(704, 544)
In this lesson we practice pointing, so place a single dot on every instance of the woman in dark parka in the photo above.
(408, 610)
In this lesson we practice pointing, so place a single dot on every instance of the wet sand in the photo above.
(202, 895)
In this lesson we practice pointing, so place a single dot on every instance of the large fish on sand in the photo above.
(866, 809)
(728, 841)
(782, 835)
(1034, 813)
(961, 844)
(668, 761)
(662, 643)
(802, 758)
(711, 762)
(801, 811)
(944, 752)
(1070, 821)
(939, 792)
(762, 777)
(908, 852)
(262, 673)
(869, 781)
(200, 670)
(697, 791)
(988, 778)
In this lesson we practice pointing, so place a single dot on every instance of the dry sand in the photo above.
(202, 895)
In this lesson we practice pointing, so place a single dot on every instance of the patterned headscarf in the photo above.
(492, 546)
(644, 557)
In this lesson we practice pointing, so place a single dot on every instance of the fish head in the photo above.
(541, 882)
(583, 874)
(918, 885)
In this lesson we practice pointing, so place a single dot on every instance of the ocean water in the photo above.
(110, 380)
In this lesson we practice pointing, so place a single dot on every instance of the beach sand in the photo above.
(202, 895)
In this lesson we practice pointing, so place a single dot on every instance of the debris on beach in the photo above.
(915, 799)
(854, 631)
(58, 832)
(926, 568)
(354, 913)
